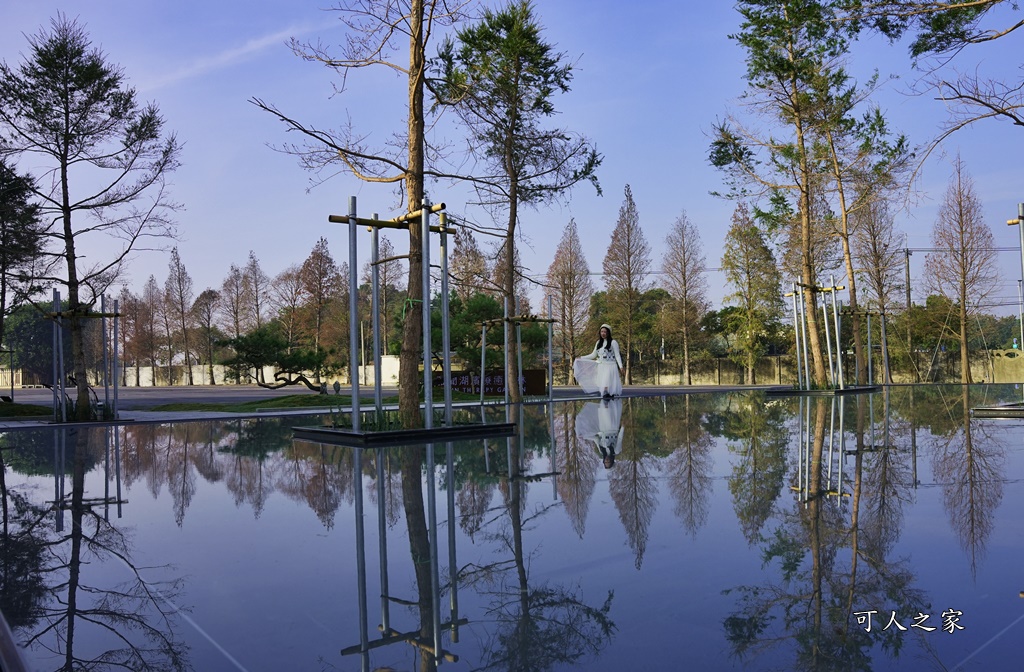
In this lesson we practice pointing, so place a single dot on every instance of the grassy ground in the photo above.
(15, 410)
(299, 401)
(291, 401)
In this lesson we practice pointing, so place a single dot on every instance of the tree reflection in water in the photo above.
(824, 572)
(537, 627)
(971, 472)
(55, 602)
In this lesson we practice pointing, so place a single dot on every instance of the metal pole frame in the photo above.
(803, 337)
(505, 358)
(428, 376)
(378, 403)
(483, 360)
(106, 361)
(519, 360)
(796, 336)
(828, 336)
(839, 349)
(871, 373)
(56, 374)
(551, 338)
(117, 322)
(353, 313)
(445, 328)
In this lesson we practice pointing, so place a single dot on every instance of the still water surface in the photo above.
(713, 532)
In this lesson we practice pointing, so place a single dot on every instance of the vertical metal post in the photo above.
(871, 364)
(382, 544)
(60, 360)
(357, 465)
(842, 443)
(796, 336)
(519, 359)
(483, 362)
(885, 353)
(453, 567)
(117, 367)
(117, 463)
(828, 335)
(378, 403)
(839, 347)
(428, 376)
(800, 442)
(353, 312)
(106, 362)
(435, 579)
(445, 328)
(56, 399)
(910, 347)
(803, 338)
(1020, 231)
(551, 340)
(505, 356)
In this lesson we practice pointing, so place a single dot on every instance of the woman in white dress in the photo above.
(598, 372)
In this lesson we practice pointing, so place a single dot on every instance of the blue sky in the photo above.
(651, 80)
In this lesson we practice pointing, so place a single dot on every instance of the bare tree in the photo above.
(165, 318)
(178, 293)
(626, 266)
(468, 265)
(103, 157)
(389, 277)
(234, 299)
(204, 313)
(258, 285)
(130, 307)
(570, 288)
(321, 283)
(876, 245)
(289, 294)
(376, 27)
(685, 269)
(152, 302)
(962, 268)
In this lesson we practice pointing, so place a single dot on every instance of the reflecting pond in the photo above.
(720, 531)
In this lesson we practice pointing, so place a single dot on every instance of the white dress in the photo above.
(598, 372)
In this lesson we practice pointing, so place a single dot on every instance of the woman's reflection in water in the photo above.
(601, 423)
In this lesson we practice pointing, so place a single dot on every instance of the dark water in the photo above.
(731, 532)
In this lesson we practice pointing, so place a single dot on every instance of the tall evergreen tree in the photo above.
(21, 240)
(500, 76)
(103, 159)
(792, 47)
(752, 272)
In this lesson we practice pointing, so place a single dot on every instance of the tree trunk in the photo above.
(965, 354)
(412, 333)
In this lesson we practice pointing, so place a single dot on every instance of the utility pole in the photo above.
(1020, 301)
(910, 347)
